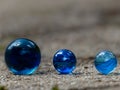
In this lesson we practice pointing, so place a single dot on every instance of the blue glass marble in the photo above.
(105, 62)
(22, 56)
(64, 61)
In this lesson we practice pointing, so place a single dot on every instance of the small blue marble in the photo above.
(64, 61)
(22, 56)
(105, 62)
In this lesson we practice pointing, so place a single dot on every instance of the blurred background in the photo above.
(84, 26)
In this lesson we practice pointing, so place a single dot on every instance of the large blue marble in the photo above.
(64, 61)
(105, 62)
(22, 56)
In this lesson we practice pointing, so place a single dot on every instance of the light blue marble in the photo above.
(105, 62)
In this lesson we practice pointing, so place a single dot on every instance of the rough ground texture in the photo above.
(83, 26)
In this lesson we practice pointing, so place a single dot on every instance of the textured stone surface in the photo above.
(85, 44)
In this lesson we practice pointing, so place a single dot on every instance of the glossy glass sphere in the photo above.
(64, 61)
(22, 56)
(105, 62)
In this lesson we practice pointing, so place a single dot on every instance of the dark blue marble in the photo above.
(105, 62)
(22, 56)
(64, 61)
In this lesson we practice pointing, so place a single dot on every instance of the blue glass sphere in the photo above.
(105, 62)
(22, 56)
(64, 61)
